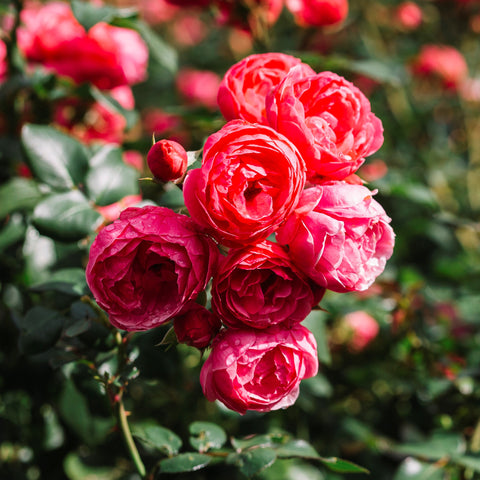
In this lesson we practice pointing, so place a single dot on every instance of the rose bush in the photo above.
(251, 178)
(339, 236)
(259, 369)
(145, 266)
(328, 119)
(258, 286)
(247, 83)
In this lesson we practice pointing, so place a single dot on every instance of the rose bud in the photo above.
(167, 160)
(196, 326)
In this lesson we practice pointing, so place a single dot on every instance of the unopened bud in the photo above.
(167, 160)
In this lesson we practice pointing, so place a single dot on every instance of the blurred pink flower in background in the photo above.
(443, 62)
(157, 12)
(362, 329)
(409, 15)
(198, 87)
(188, 30)
(318, 13)
(373, 170)
(112, 212)
(3, 60)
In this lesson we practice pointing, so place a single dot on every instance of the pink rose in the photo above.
(329, 119)
(112, 212)
(246, 85)
(145, 266)
(318, 13)
(258, 286)
(443, 62)
(339, 236)
(196, 326)
(362, 329)
(167, 160)
(106, 56)
(3, 61)
(409, 15)
(259, 369)
(251, 178)
(198, 87)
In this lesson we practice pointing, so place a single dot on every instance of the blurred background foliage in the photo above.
(404, 406)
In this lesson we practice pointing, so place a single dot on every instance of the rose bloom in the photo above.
(145, 266)
(259, 369)
(106, 56)
(258, 286)
(246, 84)
(251, 178)
(167, 160)
(198, 88)
(409, 15)
(196, 326)
(362, 329)
(339, 236)
(443, 62)
(100, 122)
(329, 119)
(3, 61)
(318, 13)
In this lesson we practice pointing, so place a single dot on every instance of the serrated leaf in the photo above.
(206, 435)
(110, 179)
(40, 329)
(66, 216)
(18, 194)
(185, 462)
(342, 466)
(88, 15)
(69, 280)
(251, 462)
(55, 158)
(158, 437)
(297, 448)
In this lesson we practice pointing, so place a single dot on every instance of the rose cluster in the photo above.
(277, 216)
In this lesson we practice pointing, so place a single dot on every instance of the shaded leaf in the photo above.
(206, 435)
(297, 448)
(12, 232)
(55, 158)
(342, 466)
(434, 448)
(69, 280)
(158, 437)
(251, 462)
(66, 216)
(267, 440)
(468, 461)
(88, 15)
(39, 329)
(185, 462)
(18, 194)
(110, 178)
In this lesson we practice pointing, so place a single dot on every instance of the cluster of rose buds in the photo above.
(277, 191)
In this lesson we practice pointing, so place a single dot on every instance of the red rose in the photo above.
(330, 121)
(259, 369)
(198, 87)
(246, 85)
(196, 326)
(318, 13)
(167, 160)
(258, 286)
(251, 178)
(339, 236)
(145, 266)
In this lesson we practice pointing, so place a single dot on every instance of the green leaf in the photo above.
(468, 461)
(158, 437)
(75, 412)
(434, 448)
(88, 15)
(14, 231)
(251, 462)
(55, 158)
(18, 194)
(412, 469)
(297, 448)
(378, 70)
(69, 280)
(206, 435)
(266, 440)
(39, 330)
(75, 469)
(110, 178)
(66, 216)
(131, 116)
(316, 323)
(185, 462)
(342, 466)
